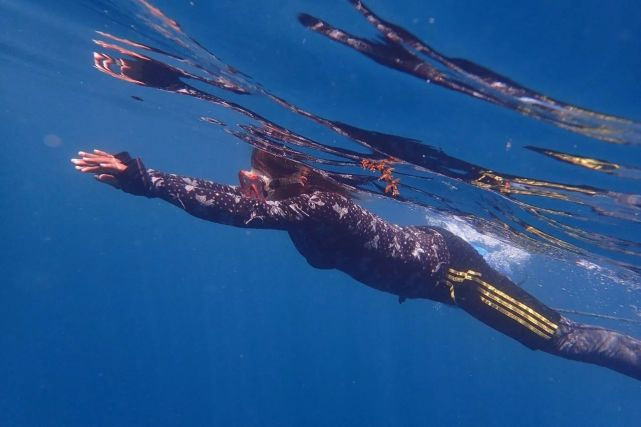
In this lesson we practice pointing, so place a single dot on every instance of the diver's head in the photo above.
(274, 177)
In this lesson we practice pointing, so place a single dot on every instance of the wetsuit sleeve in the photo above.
(223, 204)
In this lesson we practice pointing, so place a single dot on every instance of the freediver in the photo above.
(333, 232)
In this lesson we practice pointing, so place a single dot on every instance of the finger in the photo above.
(108, 179)
(85, 154)
(100, 158)
(113, 167)
(103, 153)
(82, 162)
(93, 156)
(116, 165)
(96, 159)
(88, 169)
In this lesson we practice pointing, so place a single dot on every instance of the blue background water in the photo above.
(117, 310)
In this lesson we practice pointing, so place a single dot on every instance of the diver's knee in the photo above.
(564, 340)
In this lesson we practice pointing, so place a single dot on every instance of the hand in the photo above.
(104, 166)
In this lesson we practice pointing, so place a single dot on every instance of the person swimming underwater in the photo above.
(333, 232)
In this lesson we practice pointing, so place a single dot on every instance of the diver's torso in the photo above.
(395, 270)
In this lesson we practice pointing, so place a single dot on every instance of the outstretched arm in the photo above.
(205, 199)
(343, 220)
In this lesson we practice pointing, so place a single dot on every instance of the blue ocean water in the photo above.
(125, 311)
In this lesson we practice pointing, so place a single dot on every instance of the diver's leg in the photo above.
(494, 299)
(499, 303)
(596, 345)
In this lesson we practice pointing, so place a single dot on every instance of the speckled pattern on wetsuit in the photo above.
(333, 232)
(328, 229)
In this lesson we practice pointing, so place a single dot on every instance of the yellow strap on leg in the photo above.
(452, 295)
(503, 303)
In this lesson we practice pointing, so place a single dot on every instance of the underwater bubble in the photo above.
(51, 140)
